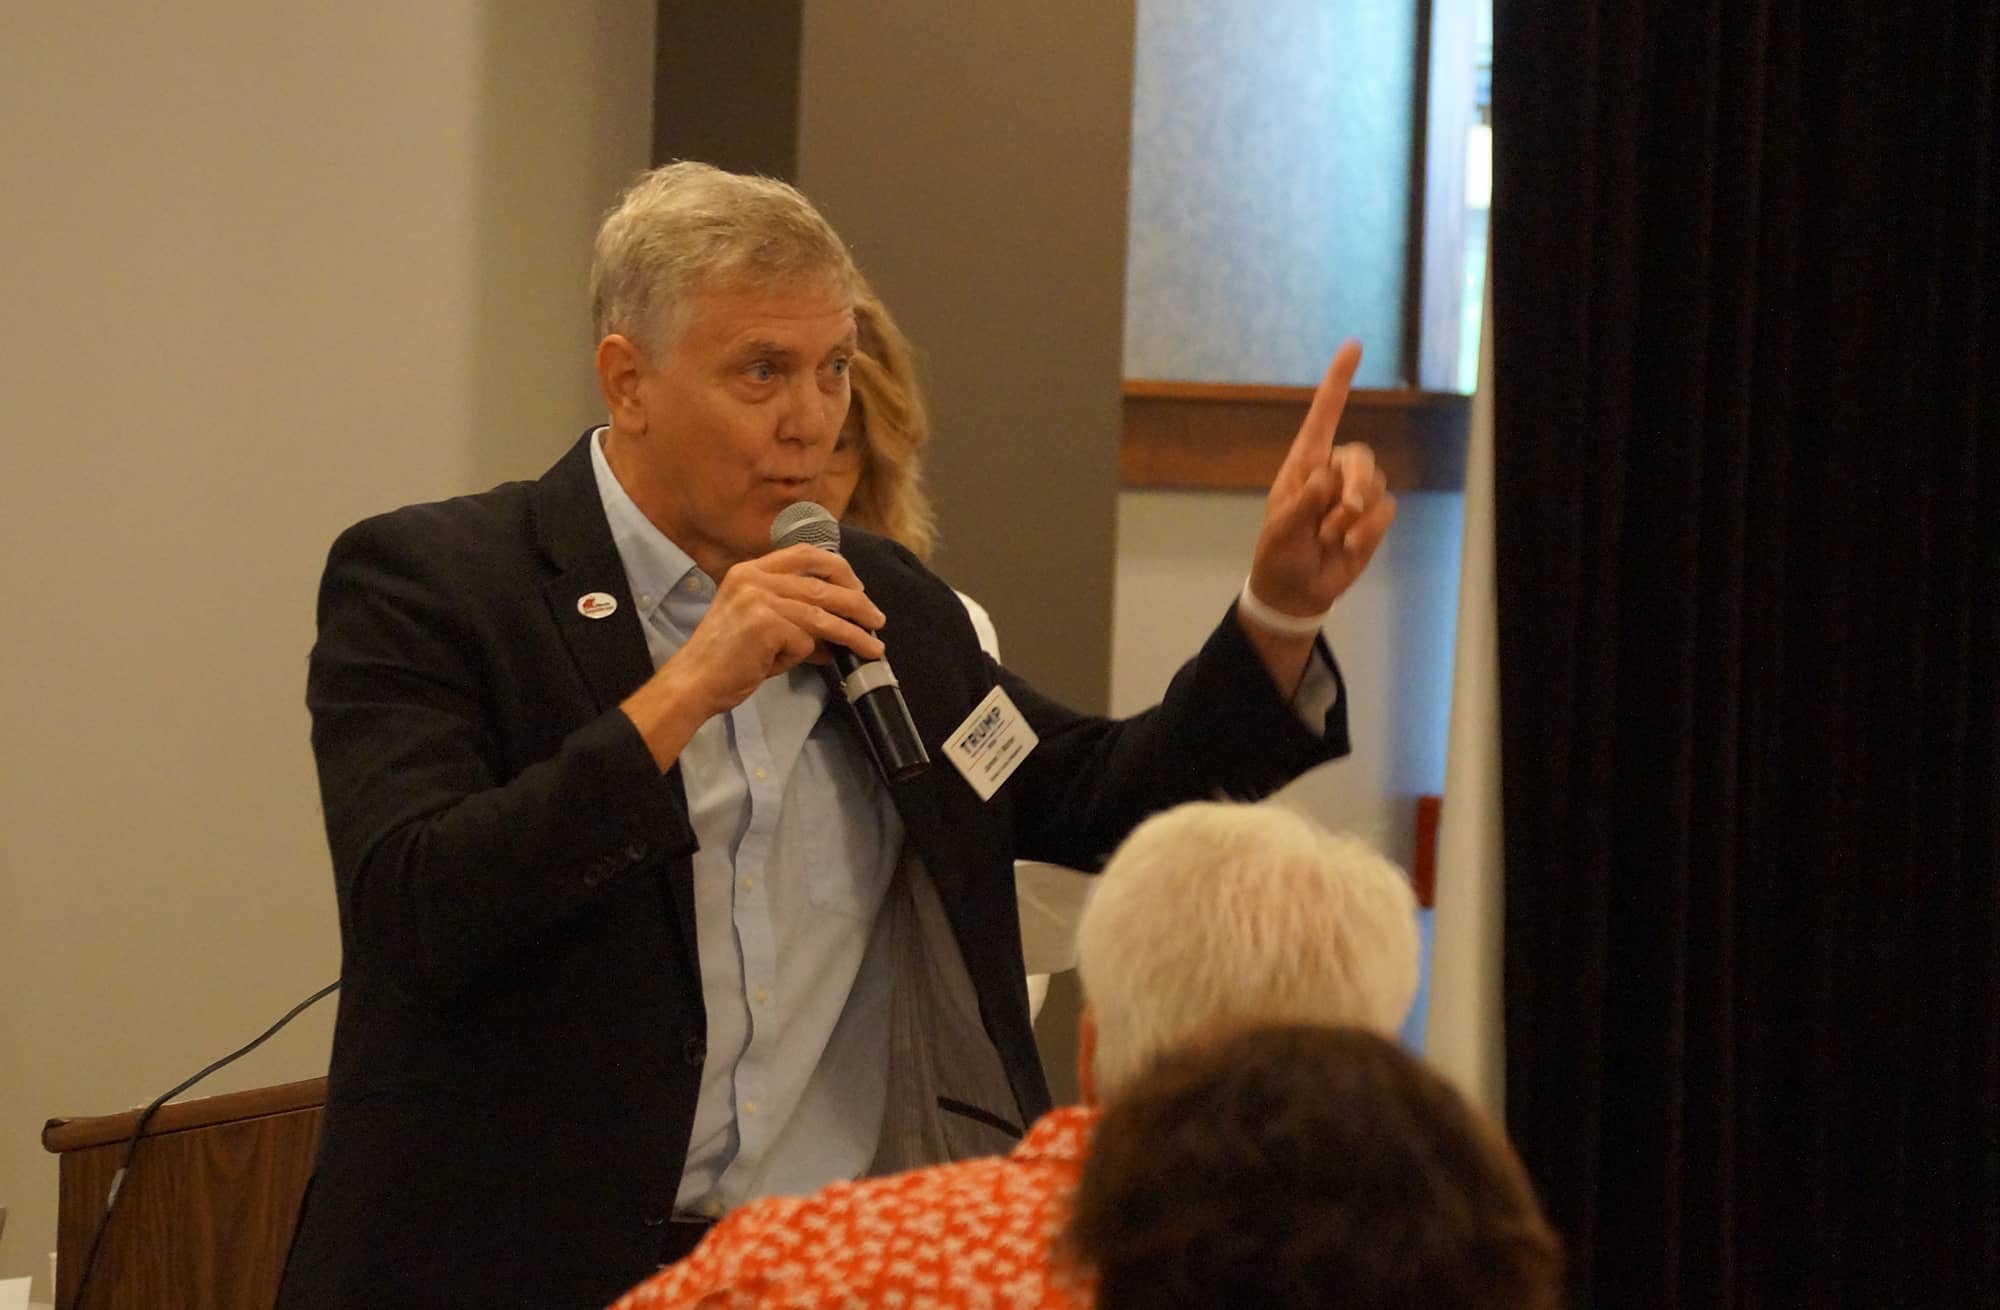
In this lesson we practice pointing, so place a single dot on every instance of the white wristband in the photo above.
(1291, 625)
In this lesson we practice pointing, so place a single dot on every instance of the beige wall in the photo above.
(979, 170)
(267, 268)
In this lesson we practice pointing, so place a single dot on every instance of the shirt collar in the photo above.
(654, 565)
(1062, 1134)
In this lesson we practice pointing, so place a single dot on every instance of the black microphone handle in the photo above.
(885, 720)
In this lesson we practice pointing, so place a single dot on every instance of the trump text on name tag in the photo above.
(991, 743)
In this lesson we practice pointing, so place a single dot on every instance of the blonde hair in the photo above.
(890, 496)
(688, 226)
(1213, 916)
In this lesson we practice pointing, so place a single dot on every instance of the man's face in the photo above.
(742, 412)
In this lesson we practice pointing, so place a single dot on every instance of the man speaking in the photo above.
(633, 928)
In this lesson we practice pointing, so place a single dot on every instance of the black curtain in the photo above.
(1747, 434)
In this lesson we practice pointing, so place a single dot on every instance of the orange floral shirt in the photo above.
(975, 1235)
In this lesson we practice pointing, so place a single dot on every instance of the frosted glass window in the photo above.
(1271, 148)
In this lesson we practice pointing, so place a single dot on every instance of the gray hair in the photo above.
(1214, 916)
(685, 227)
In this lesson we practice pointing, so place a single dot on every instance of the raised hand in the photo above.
(1328, 509)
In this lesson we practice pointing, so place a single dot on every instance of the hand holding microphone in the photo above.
(858, 675)
(769, 614)
(800, 602)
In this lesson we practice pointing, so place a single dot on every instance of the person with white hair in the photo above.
(1211, 918)
(1224, 916)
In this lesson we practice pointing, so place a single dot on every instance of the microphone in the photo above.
(868, 686)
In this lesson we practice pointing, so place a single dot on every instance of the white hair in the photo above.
(1216, 915)
(686, 226)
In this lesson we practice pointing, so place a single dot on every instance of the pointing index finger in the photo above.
(1314, 443)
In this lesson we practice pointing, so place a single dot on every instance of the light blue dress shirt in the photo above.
(799, 840)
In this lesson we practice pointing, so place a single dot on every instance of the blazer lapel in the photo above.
(931, 813)
(609, 647)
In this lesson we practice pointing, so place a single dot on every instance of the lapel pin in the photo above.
(597, 605)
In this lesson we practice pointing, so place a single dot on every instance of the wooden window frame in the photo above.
(1188, 436)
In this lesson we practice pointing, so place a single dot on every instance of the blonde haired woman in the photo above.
(875, 480)
(875, 477)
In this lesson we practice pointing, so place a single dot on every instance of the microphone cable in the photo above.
(139, 1131)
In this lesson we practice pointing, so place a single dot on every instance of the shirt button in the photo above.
(749, 1109)
(763, 774)
(748, 883)
(694, 585)
(763, 996)
(645, 602)
(713, 1209)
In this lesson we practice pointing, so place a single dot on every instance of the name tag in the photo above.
(991, 743)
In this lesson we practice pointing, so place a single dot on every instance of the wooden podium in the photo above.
(208, 1207)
